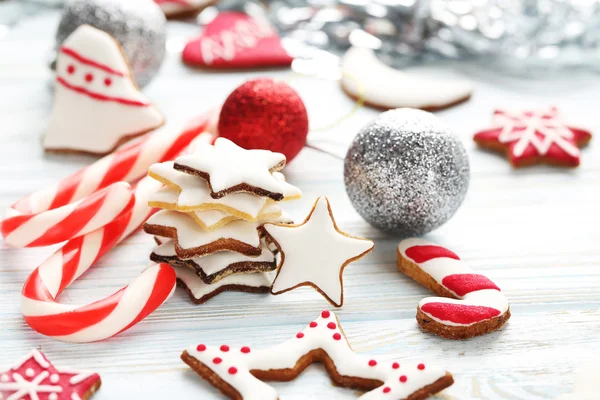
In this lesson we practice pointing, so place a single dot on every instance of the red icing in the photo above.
(70, 69)
(395, 365)
(232, 370)
(245, 349)
(421, 367)
(234, 31)
(372, 363)
(217, 360)
(325, 314)
(107, 81)
(386, 390)
(337, 336)
(224, 348)
(421, 254)
(313, 324)
(201, 347)
(88, 61)
(101, 97)
(459, 313)
(300, 335)
(331, 325)
(89, 77)
(463, 284)
(403, 378)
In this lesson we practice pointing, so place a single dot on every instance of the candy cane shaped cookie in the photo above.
(472, 304)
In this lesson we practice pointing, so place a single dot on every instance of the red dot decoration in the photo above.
(201, 347)
(70, 69)
(225, 348)
(403, 378)
(245, 349)
(107, 81)
(313, 324)
(331, 325)
(395, 365)
(300, 335)
(337, 336)
(421, 366)
(217, 360)
(325, 314)
(89, 77)
(232, 370)
(386, 390)
(372, 363)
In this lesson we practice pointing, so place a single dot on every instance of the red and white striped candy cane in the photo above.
(475, 305)
(46, 217)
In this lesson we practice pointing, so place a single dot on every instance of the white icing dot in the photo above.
(29, 372)
(52, 396)
(4, 378)
(54, 378)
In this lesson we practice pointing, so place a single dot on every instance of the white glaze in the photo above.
(315, 252)
(364, 75)
(286, 354)
(81, 121)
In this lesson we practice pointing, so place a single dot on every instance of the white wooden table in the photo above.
(535, 232)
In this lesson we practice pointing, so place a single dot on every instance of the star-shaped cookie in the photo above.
(229, 168)
(315, 253)
(529, 137)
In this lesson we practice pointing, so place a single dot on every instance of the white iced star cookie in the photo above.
(229, 168)
(315, 253)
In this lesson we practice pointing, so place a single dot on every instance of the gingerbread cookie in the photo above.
(531, 137)
(214, 267)
(238, 373)
(229, 169)
(192, 241)
(236, 40)
(35, 378)
(200, 292)
(97, 105)
(472, 304)
(315, 253)
(366, 77)
(183, 8)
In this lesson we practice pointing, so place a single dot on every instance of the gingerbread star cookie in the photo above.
(214, 267)
(315, 253)
(531, 137)
(229, 168)
(34, 377)
(239, 372)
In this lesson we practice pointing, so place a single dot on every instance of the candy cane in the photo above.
(475, 306)
(97, 223)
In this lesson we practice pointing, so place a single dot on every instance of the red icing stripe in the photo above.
(101, 97)
(462, 284)
(76, 320)
(421, 254)
(70, 52)
(459, 313)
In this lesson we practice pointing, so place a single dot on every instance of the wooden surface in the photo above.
(535, 232)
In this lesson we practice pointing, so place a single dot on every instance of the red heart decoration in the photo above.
(235, 40)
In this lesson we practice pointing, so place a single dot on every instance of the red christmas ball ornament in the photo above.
(265, 114)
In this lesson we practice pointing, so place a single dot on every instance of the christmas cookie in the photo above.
(183, 8)
(200, 292)
(214, 267)
(236, 40)
(472, 304)
(97, 105)
(531, 137)
(239, 372)
(315, 253)
(192, 241)
(35, 378)
(365, 77)
(229, 169)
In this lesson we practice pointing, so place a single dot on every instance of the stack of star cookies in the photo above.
(212, 207)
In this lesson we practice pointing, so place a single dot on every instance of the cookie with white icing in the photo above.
(200, 292)
(215, 267)
(191, 240)
(366, 77)
(229, 169)
(97, 105)
(239, 372)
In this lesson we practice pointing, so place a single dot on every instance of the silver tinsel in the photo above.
(139, 26)
(406, 172)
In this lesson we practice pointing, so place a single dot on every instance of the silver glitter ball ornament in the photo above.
(138, 25)
(406, 172)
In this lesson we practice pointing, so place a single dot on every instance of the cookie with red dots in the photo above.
(239, 372)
